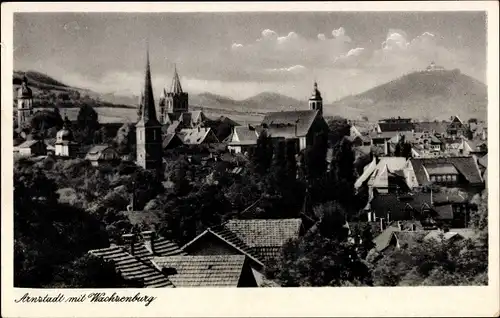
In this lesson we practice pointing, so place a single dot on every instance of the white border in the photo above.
(395, 301)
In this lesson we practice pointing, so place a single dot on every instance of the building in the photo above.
(437, 128)
(301, 125)
(148, 128)
(429, 208)
(395, 125)
(475, 147)
(24, 103)
(206, 270)
(242, 139)
(65, 146)
(433, 67)
(133, 258)
(197, 136)
(450, 172)
(31, 148)
(171, 141)
(173, 103)
(100, 154)
(384, 175)
(457, 128)
(316, 101)
(261, 240)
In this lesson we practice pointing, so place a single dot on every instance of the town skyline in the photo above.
(347, 53)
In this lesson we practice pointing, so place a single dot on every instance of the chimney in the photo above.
(370, 216)
(148, 237)
(400, 227)
(413, 227)
(386, 147)
(129, 240)
(382, 224)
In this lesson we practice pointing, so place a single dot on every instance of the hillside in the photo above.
(49, 92)
(422, 95)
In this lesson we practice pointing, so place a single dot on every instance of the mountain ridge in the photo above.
(420, 95)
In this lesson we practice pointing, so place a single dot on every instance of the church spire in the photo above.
(148, 105)
(176, 83)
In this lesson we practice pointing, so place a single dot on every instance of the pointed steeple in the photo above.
(148, 115)
(176, 87)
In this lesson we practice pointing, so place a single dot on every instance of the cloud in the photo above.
(340, 34)
(352, 58)
(292, 69)
(236, 46)
(292, 36)
(272, 50)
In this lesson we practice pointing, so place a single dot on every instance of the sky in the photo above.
(246, 53)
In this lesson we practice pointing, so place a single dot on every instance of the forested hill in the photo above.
(423, 95)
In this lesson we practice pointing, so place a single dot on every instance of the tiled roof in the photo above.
(444, 212)
(410, 238)
(383, 239)
(396, 126)
(483, 161)
(265, 232)
(132, 268)
(430, 126)
(441, 169)
(139, 266)
(260, 239)
(389, 164)
(203, 270)
(399, 206)
(404, 236)
(465, 165)
(383, 135)
(170, 138)
(282, 124)
(245, 135)
(196, 136)
(28, 143)
(464, 233)
(95, 152)
(367, 172)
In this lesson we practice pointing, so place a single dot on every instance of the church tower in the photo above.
(175, 101)
(316, 101)
(24, 103)
(65, 145)
(148, 128)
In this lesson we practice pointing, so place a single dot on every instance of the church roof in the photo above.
(282, 124)
(176, 87)
(148, 116)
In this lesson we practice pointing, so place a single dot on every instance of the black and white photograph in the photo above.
(250, 149)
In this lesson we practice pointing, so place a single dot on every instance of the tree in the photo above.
(125, 139)
(338, 128)
(47, 234)
(263, 154)
(92, 272)
(87, 123)
(315, 157)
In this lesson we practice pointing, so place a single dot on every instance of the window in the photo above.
(454, 178)
(433, 178)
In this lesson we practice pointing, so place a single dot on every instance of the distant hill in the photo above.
(422, 95)
(49, 92)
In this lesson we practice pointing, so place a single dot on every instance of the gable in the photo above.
(209, 244)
